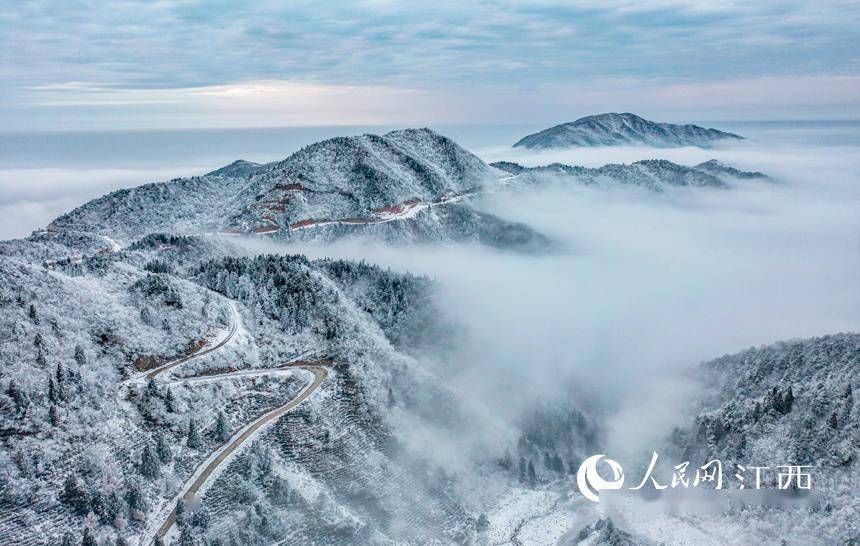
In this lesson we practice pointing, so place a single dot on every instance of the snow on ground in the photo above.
(549, 527)
(513, 508)
(166, 508)
(659, 522)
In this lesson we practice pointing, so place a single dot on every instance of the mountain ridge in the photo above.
(613, 129)
(654, 174)
(403, 186)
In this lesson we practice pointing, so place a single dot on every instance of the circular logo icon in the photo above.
(589, 481)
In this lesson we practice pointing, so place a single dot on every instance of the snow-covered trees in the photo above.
(482, 523)
(88, 539)
(193, 439)
(162, 448)
(149, 462)
(75, 495)
(158, 287)
(222, 428)
(136, 500)
(788, 403)
(80, 356)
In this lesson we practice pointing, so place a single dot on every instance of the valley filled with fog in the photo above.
(642, 288)
(645, 285)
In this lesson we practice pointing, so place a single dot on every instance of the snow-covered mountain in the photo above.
(93, 440)
(654, 174)
(623, 130)
(786, 404)
(408, 185)
(790, 403)
(759, 405)
(160, 384)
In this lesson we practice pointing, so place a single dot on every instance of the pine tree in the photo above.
(53, 416)
(152, 388)
(88, 538)
(193, 441)
(68, 539)
(169, 401)
(60, 386)
(149, 463)
(162, 449)
(200, 519)
(180, 512)
(532, 474)
(113, 507)
(17, 395)
(33, 315)
(787, 401)
(12, 389)
(80, 356)
(37, 340)
(75, 495)
(522, 468)
(222, 429)
(52, 390)
(482, 524)
(186, 537)
(135, 499)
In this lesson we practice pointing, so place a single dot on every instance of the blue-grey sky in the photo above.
(189, 63)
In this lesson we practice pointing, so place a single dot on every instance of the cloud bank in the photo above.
(195, 64)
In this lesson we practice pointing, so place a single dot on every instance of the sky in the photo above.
(126, 64)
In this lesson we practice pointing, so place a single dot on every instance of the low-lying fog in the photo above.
(652, 284)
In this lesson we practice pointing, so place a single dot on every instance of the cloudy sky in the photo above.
(185, 64)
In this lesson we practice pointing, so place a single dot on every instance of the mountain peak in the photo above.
(613, 129)
(239, 168)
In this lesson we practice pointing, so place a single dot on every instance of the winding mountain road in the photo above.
(207, 470)
(234, 327)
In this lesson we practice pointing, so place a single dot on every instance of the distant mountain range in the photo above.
(623, 130)
(654, 174)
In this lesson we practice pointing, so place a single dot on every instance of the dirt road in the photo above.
(219, 456)
(205, 470)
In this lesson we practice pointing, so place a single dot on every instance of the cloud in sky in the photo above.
(56, 59)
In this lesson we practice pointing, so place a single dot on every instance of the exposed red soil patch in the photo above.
(143, 363)
(305, 223)
(398, 207)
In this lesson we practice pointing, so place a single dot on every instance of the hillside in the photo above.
(405, 186)
(653, 174)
